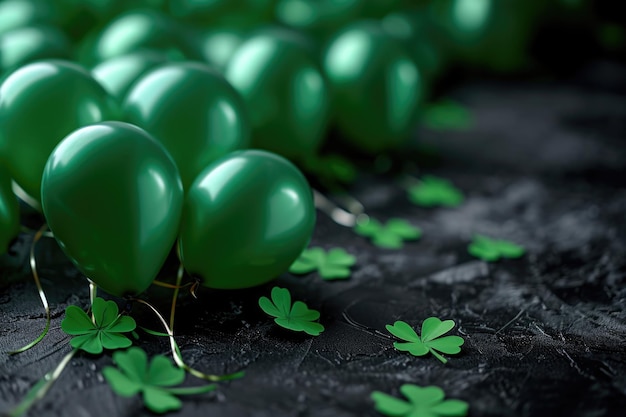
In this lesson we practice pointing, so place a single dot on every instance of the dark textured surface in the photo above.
(543, 166)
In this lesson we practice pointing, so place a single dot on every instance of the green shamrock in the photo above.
(153, 380)
(491, 250)
(434, 191)
(423, 402)
(430, 341)
(331, 168)
(103, 332)
(391, 235)
(447, 115)
(331, 265)
(297, 317)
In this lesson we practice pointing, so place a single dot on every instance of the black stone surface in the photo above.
(544, 166)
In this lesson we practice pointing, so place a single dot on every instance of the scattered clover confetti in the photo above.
(447, 115)
(331, 265)
(390, 235)
(433, 191)
(430, 340)
(331, 168)
(491, 250)
(297, 317)
(423, 402)
(103, 332)
(153, 380)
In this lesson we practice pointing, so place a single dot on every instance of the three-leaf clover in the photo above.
(135, 375)
(297, 317)
(390, 235)
(334, 264)
(429, 341)
(423, 402)
(331, 168)
(103, 332)
(491, 250)
(447, 115)
(433, 191)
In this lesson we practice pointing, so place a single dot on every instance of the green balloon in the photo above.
(246, 218)
(193, 111)
(18, 13)
(135, 31)
(217, 46)
(376, 86)
(40, 104)
(117, 75)
(112, 196)
(9, 212)
(26, 44)
(285, 92)
(318, 17)
(242, 13)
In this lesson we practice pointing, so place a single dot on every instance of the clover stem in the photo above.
(191, 390)
(39, 390)
(178, 359)
(438, 356)
(348, 218)
(42, 294)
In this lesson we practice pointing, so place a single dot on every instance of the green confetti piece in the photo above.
(492, 250)
(297, 317)
(332, 265)
(391, 235)
(433, 191)
(422, 402)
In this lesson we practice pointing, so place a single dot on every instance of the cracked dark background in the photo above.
(544, 165)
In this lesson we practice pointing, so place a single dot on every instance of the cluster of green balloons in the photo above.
(134, 122)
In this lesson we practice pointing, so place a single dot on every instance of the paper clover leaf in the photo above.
(491, 250)
(447, 115)
(103, 332)
(331, 265)
(390, 235)
(434, 191)
(135, 375)
(430, 340)
(423, 402)
(297, 317)
(331, 168)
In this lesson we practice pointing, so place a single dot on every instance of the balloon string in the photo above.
(348, 218)
(39, 390)
(42, 294)
(179, 278)
(47, 233)
(172, 286)
(178, 356)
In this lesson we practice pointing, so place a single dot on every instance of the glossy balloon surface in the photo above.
(376, 86)
(217, 46)
(242, 13)
(136, 31)
(40, 104)
(246, 218)
(112, 197)
(9, 212)
(193, 111)
(117, 75)
(26, 44)
(318, 17)
(18, 13)
(286, 95)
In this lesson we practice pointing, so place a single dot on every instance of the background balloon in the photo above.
(246, 218)
(193, 111)
(41, 103)
(112, 197)
(9, 212)
(285, 93)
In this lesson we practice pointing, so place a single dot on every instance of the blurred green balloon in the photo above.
(241, 13)
(19, 13)
(285, 92)
(133, 31)
(490, 34)
(9, 212)
(40, 104)
(112, 196)
(193, 111)
(376, 86)
(217, 46)
(318, 17)
(246, 218)
(117, 75)
(380, 8)
(26, 44)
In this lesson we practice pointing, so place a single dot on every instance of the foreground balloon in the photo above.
(40, 104)
(376, 86)
(27, 44)
(112, 197)
(286, 95)
(246, 218)
(193, 111)
(9, 212)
